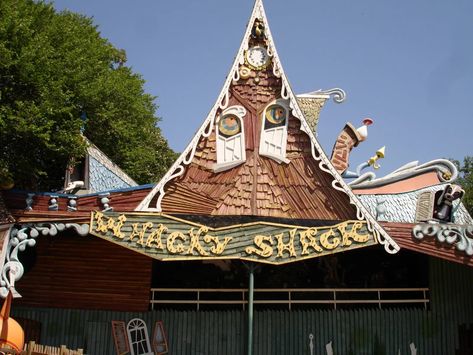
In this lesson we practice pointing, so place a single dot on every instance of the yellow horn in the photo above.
(380, 153)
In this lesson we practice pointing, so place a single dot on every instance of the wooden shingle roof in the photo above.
(302, 185)
(260, 186)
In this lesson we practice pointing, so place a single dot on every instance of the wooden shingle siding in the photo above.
(260, 186)
(86, 272)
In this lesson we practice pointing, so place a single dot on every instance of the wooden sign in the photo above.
(169, 238)
(120, 337)
(160, 344)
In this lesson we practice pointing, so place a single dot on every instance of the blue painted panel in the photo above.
(102, 178)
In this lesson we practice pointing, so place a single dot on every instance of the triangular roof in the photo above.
(104, 174)
(303, 186)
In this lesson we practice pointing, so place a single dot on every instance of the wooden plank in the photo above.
(57, 278)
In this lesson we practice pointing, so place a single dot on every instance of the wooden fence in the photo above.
(374, 331)
(356, 332)
(37, 349)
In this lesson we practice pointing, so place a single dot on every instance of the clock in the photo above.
(257, 58)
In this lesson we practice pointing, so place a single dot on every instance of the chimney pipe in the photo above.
(348, 138)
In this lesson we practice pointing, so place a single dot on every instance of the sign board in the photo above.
(166, 237)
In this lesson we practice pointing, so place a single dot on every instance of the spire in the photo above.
(256, 154)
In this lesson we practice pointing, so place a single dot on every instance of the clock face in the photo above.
(257, 57)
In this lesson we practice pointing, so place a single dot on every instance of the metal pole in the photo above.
(250, 308)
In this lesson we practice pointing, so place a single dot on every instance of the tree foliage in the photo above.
(57, 75)
(466, 181)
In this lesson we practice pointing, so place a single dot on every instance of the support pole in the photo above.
(250, 308)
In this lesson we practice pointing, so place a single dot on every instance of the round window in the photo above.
(275, 116)
(229, 125)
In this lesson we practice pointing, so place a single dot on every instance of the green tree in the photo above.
(58, 76)
(466, 181)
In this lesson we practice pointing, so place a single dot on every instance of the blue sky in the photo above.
(407, 64)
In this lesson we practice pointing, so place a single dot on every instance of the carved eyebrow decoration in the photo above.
(230, 136)
(273, 138)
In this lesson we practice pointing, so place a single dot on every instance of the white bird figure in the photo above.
(329, 348)
(311, 344)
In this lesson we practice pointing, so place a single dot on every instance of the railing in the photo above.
(290, 296)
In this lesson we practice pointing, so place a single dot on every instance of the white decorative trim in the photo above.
(337, 94)
(442, 167)
(237, 141)
(18, 239)
(461, 236)
(268, 136)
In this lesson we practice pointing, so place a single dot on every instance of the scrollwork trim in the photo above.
(25, 236)
(460, 236)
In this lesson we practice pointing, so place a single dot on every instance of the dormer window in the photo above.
(274, 131)
(230, 138)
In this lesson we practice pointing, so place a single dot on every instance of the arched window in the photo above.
(138, 337)
(274, 131)
(230, 138)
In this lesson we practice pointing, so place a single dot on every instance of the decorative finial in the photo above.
(53, 203)
(363, 130)
(380, 153)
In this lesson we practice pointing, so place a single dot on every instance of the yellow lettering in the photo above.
(175, 249)
(195, 243)
(352, 234)
(140, 233)
(308, 240)
(329, 240)
(110, 224)
(155, 237)
(101, 226)
(265, 250)
(219, 247)
(289, 247)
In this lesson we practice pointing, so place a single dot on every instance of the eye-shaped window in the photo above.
(275, 116)
(229, 125)
(274, 131)
(230, 138)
